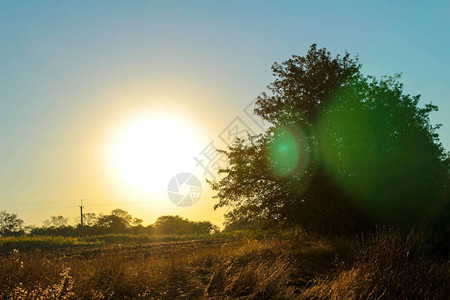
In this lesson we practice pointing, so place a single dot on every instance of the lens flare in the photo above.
(287, 151)
(370, 148)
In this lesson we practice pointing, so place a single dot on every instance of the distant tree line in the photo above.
(118, 221)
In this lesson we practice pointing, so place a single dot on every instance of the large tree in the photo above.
(343, 151)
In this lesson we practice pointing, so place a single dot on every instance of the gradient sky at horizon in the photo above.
(70, 70)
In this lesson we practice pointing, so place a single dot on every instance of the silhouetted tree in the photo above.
(89, 219)
(117, 222)
(343, 150)
(178, 225)
(56, 222)
(10, 224)
(137, 222)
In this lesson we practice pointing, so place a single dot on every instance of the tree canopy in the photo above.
(10, 224)
(179, 225)
(118, 221)
(344, 151)
(56, 222)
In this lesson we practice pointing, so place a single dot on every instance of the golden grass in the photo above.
(256, 269)
(383, 265)
(387, 266)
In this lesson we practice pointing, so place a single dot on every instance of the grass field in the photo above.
(284, 266)
(27, 243)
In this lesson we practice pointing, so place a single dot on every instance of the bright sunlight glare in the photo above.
(149, 149)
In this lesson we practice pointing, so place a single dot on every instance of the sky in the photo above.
(76, 75)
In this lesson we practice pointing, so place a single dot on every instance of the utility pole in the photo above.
(81, 211)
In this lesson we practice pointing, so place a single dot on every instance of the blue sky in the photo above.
(60, 62)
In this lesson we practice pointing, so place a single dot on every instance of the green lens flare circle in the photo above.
(286, 152)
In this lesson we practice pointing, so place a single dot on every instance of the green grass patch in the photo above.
(27, 243)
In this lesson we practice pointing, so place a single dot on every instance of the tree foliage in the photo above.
(343, 151)
(118, 221)
(56, 222)
(178, 225)
(10, 224)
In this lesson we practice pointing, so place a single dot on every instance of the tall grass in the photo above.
(388, 266)
(382, 265)
(257, 269)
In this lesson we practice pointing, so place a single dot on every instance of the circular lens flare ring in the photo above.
(287, 152)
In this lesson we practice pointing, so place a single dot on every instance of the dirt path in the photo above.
(135, 250)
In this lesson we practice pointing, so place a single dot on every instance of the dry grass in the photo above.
(255, 269)
(285, 267)
(387, 266)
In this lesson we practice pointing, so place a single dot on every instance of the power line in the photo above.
(67, 200)
(93, 198)
(206, 195)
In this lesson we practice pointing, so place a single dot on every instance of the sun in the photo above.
(148, 149)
